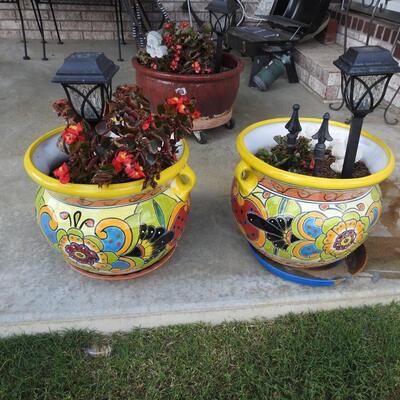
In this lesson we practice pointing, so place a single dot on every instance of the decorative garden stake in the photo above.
(294, 128)
(86, 79)
(222, 14)
(319, 150)
(366, 72)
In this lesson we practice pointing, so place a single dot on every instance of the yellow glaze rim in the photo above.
(310, 181)
(91, 190)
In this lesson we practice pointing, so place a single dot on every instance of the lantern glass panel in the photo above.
(364, 93)
(219, 22)
(88, 100)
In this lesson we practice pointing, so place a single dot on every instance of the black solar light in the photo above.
(86, 79)
(222, 15)
(366, 72)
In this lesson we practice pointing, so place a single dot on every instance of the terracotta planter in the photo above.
(215, 94)
(304, 221)
(118, 231)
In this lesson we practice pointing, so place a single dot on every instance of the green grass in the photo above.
(343, 354)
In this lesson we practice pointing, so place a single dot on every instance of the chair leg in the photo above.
(39, 23)
(21, 17)
(121, 22)
(118, 31)
(143, 17)
(140, 36)
(55, 22)
(291, 70)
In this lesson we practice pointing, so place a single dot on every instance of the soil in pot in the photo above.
(301, 159)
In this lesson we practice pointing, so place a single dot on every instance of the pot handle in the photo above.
(184, 182)
(246, 178)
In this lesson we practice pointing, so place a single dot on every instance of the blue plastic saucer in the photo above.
(330, 275)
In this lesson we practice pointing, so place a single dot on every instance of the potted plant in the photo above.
(181, 58)
(114, 191)
(307, 206)
(294, 217)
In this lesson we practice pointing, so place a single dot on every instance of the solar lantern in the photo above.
(366, 72)
(222, 15)
(86, 78)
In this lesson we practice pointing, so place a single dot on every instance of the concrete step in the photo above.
(314, 65)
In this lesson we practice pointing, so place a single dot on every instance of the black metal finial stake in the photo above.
(294, 128)
(319, 150)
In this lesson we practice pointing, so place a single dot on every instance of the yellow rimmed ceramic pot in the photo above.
(119, 231)
(304, 221)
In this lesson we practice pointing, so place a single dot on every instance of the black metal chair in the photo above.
(289, 22)
(110, 3)
(140, 21)
(21, 18)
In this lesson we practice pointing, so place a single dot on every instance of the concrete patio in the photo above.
(212, 276)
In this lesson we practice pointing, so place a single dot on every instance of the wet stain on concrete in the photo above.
(391, 206)
(384, 251)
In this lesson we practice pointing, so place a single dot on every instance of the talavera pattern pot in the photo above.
(304, 221)
(115, 230)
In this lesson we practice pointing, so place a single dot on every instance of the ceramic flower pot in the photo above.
(304, 221)
(117, 231)
(215, 94)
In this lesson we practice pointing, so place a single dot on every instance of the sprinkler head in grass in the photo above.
(294, 128)
(322, 136)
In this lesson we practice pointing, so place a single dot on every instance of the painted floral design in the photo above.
(152, 242)
(109, 245)
(341, 235)
(178, 221)
(304, 233)
(241, 207)
(81, 250)
(278, 229)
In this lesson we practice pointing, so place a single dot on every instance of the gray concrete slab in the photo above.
(212, 276)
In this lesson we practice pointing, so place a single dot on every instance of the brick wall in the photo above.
(89, 22)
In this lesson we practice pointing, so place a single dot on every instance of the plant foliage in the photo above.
(188, 51)
(128, 144)
(300, 160)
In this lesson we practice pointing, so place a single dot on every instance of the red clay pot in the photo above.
(214, 93)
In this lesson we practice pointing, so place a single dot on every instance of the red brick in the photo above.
(379, 32)
(75, 26)
(369, 27)
(332, 93)
(386, 34)
(97, 16)
(7, 24)
(68, 15)
(103, 26)
(392, 39)
(360, 24)
(397, 51)
(7, 14)
(354, 24)
(99, 35)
